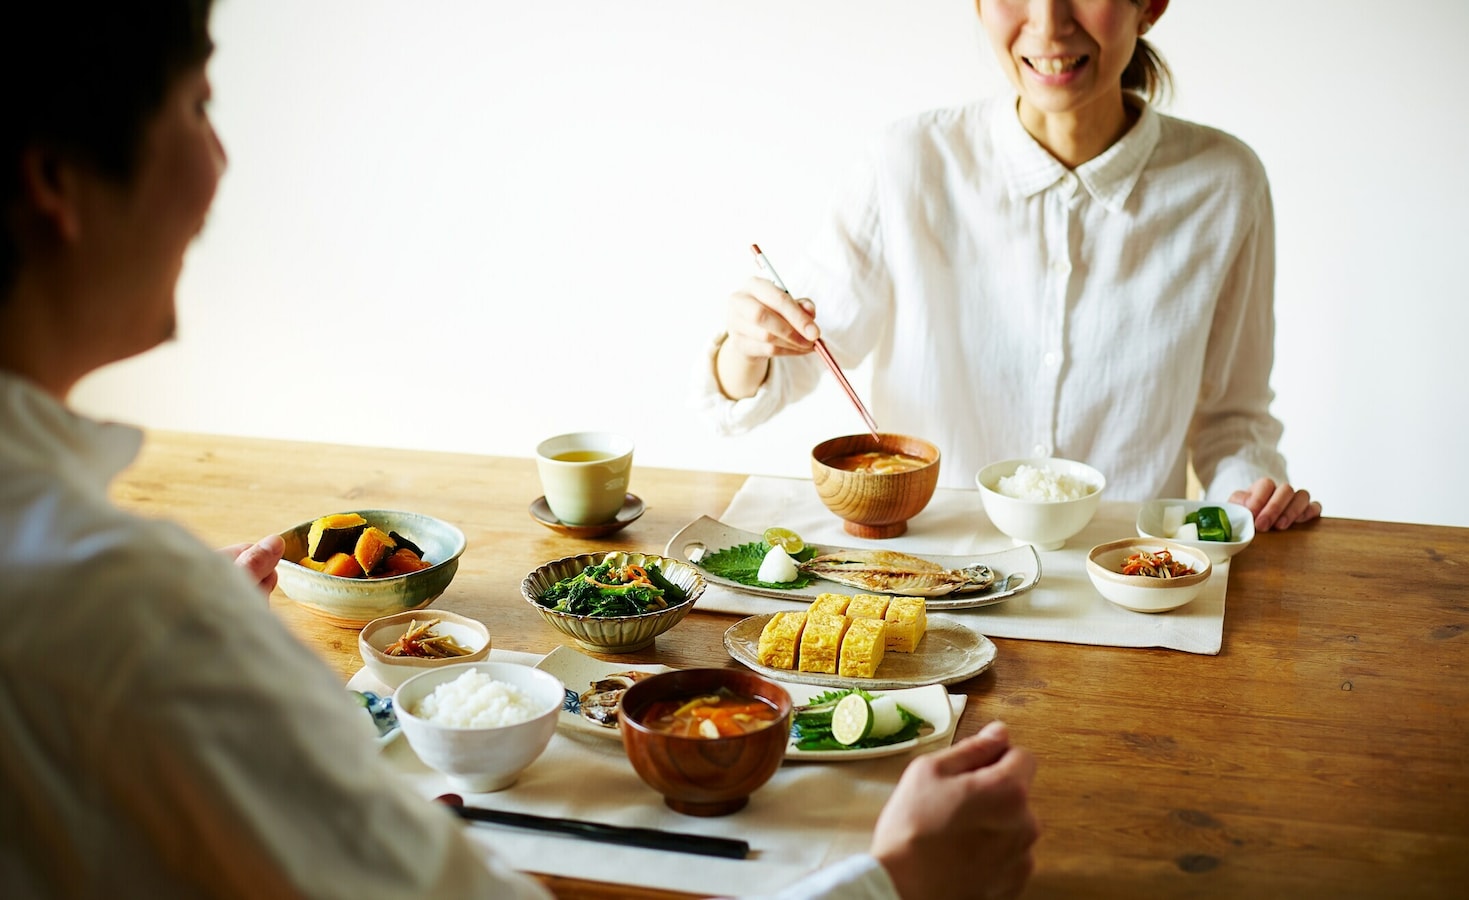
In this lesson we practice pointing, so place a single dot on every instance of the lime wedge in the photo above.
(851, 721)
(785, 539)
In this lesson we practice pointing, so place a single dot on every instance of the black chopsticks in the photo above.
(652, 838)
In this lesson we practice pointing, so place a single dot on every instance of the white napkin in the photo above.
(807, 815)
(1062, 607)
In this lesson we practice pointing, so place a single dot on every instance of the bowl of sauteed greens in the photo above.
(613, 602)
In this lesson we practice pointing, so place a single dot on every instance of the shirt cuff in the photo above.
(728, 417)
(859, 877)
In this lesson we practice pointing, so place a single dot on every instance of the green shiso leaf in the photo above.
(741, 563)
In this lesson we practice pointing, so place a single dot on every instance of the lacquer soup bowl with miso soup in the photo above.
(706, 739)
(875, 484)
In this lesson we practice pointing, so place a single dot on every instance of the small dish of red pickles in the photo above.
(705, 738)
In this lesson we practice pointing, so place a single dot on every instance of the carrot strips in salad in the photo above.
(1155, 565)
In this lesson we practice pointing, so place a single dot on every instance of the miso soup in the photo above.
(582, 456)
(876, 462)
(718, 714)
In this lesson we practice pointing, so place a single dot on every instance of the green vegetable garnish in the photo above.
(811, 728)
(1213, 523)
(741, 563)
(611, 588)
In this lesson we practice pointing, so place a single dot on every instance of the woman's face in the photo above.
(1066, 57)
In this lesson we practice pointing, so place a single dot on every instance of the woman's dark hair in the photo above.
(84, 77)
(1147, 74)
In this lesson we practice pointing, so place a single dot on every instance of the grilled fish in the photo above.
(891, 572)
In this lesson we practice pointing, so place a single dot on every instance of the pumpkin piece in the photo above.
(404, 543)
(333, 534)
(343, 565)
(401, 562)
(310, 563)
(373, 546)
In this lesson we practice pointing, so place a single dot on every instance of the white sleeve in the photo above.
(1234, 438)
(859, 877)
(790, 379)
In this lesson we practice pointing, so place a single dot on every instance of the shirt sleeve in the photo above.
(859, 877)
(1234, 438)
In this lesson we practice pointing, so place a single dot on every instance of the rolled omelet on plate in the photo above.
(780, 640)
(907, 619)
(830, 604)
(867, 606)
(821, 643)
(862, 648)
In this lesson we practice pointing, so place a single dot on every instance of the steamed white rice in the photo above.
(475, 700)
(1043, 484)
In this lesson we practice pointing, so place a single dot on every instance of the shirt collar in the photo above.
(41, 432)
(1109, 178)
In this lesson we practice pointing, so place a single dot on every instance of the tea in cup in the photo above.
(584, 475)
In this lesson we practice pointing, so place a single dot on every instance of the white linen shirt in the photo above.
(163, 735)
(1119, 314)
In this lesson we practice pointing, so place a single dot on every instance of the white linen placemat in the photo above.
(1063, 606)
(808, 814)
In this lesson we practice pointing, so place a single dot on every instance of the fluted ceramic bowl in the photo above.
(612, 634)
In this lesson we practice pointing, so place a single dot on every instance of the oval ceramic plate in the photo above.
(930, 703)
(376, 700)
(632, 508)
(578, 672)
(948, 653)
(1016, 570)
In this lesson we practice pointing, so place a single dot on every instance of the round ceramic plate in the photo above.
(948, 653)
(632, 507)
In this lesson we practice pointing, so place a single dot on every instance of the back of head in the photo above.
(83, 77)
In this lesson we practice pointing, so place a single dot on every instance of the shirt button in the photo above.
(1061, 265)
(1042, 450)
(1050, 359)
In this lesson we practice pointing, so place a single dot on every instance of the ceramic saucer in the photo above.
(632, 507)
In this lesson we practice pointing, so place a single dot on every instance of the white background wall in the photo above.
(467, 225)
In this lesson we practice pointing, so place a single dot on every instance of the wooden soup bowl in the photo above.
(875, 505)
(704, 776)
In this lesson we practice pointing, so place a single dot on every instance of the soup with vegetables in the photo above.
(876, 462)
(719, 714)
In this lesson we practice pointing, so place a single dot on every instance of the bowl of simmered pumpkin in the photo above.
(353, 567)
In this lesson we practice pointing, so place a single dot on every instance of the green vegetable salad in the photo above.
(614, 587)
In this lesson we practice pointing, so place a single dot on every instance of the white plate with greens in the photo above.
(1017, 569)
(930, 703)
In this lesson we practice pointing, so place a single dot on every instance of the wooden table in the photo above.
(1323, 753)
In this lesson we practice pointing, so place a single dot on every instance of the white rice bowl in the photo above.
(1043, 485)
(475, 700)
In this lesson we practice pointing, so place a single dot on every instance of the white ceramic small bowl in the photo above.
(1241, 522)
(478, 760)
(377, 635)
(1142, 593)
(1045, 523)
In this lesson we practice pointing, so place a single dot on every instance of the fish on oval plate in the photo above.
(946, 582)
